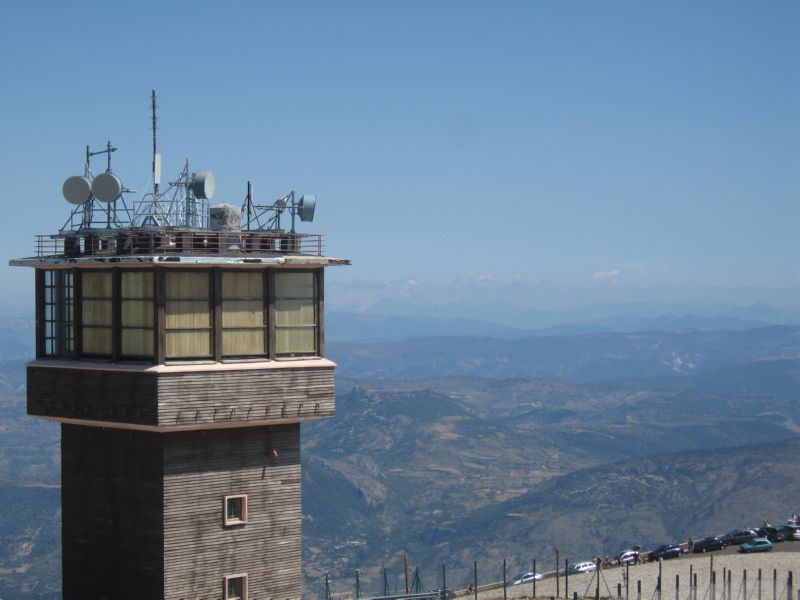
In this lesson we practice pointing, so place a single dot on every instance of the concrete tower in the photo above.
(180, 363)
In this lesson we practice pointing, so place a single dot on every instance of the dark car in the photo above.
(708, 544)
(790, 532)
(773, 534)
(738, 536)
(665, 551)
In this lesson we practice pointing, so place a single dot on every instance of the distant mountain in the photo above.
(405, 463)
(578, 358)
(359, 327)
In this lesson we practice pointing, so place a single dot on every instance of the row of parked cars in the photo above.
(748, 540)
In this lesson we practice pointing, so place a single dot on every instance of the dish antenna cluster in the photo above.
(268, 216)
(96, 196)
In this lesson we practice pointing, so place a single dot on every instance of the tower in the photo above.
(180, 360)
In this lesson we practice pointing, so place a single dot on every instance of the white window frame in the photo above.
(243, 577)
(227, 522)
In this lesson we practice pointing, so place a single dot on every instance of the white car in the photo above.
(583, 567)
(528, 577)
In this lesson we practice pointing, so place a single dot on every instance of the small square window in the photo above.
(235, 510)
(236, 587)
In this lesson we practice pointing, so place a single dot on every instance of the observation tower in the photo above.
(180, 346)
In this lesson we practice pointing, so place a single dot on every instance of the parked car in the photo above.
(628, 557)
(708, 544)
(739, 536)
(582, 567)
(528, 577)
(665, 551)
(773, 534)
(790, 532)
(760, 544)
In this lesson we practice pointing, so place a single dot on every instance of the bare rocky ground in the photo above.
(781, 563)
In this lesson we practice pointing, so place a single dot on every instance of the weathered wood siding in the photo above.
(184, 398)
(111, 501)
(98, 395)
(206, 397)
(200, 468)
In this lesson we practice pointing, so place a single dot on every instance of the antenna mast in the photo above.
(156, 156)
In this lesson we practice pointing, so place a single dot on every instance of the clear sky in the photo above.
(647, 143)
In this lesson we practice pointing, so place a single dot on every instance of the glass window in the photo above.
(96, 313)
(236, 587)
(188, 314)
(295, 313)
(235, 510)
(58, 298)
(244, 325)
(137, 319)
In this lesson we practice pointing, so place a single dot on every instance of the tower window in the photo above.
(58, 313)
(244, 326)
(295, 313)
(138, 316)
(236, 587)
(96, 313)
(235, 508)
(188, 314)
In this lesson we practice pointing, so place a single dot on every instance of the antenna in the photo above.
(184, 203)
(95, 195)
(268, 216)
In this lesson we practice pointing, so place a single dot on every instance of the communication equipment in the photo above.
(203, 185)
(268, 216)
(306, 207)
(77, 189)
(107, 187)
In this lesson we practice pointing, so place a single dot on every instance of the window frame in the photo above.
(213, 313)
(228, 578)
(80, 325)
(227, 521)
(56, 313)
(119, 301)
(316, 299)
(265, 309)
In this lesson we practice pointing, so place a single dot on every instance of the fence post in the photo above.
(534, 578)
(505, 593)
(694, 587)
(677, 587)
(566, 578)
(691, 582)
(619, 591)
(638, 589)
(724, 580)
(658, 583)
(627, 581)
(744, 583)
(444, 577)
(713, 584)
(597, 588)
(730, 584)
(789, 587)
(475, 575)
(558, 582)
(759, 584)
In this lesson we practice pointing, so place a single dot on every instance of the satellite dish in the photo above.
(306, 206)
(107, 187)
(203, 185)
(76, 189)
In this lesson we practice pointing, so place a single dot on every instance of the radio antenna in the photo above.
(156, 155)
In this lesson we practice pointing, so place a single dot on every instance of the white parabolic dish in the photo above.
(107, 187)
(76, 189)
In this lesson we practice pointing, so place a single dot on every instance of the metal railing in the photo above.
(174, 241)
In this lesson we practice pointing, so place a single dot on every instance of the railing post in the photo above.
(638, 589)
(677, 587)
(505, 590)
(566, 578)
(534, 578)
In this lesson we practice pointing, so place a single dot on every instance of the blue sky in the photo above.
(583, 143)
